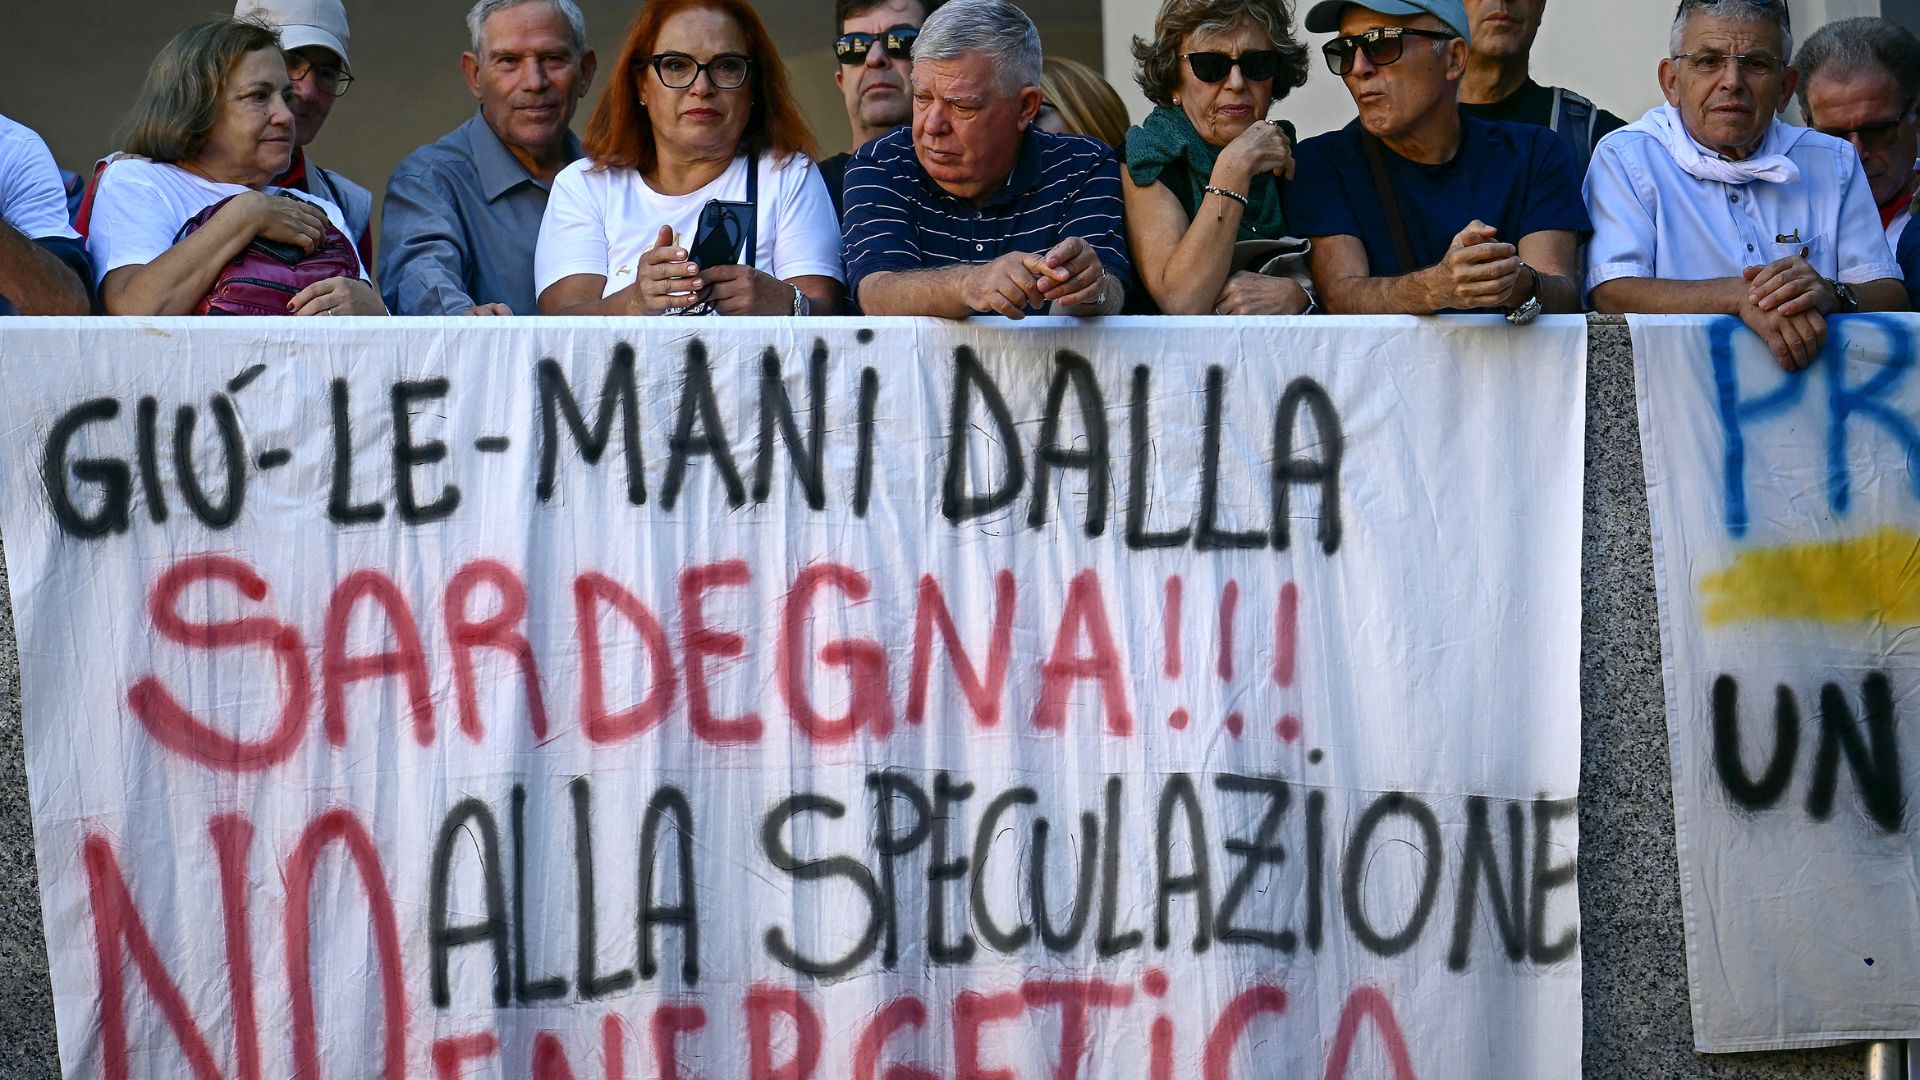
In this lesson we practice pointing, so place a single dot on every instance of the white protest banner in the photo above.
(795, 699)
(1786, 509)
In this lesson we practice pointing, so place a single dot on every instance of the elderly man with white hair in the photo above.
(1711, 204)
(973, 209)
(463, 214)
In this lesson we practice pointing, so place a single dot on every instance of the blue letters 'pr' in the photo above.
(1868, 398)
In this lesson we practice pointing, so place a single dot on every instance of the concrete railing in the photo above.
(1637, 1025)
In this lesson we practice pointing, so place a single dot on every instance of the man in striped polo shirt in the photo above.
(975, 210)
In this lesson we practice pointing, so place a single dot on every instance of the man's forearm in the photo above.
(35, 280)
(1661, 296)
(1558, 295)
(940, 293)
(1408, 294)
(1884, 294)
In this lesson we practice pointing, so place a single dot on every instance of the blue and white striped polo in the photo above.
(898, 218)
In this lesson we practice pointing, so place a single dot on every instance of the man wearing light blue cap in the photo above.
(1415, 209)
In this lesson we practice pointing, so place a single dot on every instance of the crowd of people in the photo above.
(984, 177)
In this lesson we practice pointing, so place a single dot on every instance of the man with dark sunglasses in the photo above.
(873, 65)
(1499, 85)
(1414, 209)
(1710, 204)
(1860, 82)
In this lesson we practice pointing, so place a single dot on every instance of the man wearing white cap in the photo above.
(313, 34)
(1415, 209)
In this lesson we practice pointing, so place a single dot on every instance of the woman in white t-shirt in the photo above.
(699, 98)
(230, 73)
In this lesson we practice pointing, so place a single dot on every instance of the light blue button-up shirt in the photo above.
(461, 219)
(1653, 220)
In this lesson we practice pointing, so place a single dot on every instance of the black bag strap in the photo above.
(1390, 206)
(753, 197)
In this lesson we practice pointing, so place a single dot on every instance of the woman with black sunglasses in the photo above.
(698, 194)
(1205, 169)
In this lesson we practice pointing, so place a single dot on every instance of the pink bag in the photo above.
(267, 274)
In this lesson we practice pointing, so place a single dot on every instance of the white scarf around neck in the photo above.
(1702, 164)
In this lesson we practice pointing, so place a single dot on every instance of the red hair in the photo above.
(620, 134)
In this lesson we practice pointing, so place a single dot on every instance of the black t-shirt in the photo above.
(834, 171)
(1533, 104)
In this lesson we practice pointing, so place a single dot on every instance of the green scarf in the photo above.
(1168, 139)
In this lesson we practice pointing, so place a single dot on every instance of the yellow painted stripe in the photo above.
(1870, 579)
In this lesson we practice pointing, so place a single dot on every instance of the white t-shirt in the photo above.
(32, 198)
(600, 221)
(139, 206)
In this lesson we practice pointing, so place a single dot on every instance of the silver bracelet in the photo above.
(801, 305)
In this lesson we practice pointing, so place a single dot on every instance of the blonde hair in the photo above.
(1087, 104)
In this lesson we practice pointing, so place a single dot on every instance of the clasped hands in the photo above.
(1786, 303)
(1068, 276)
(668, 283)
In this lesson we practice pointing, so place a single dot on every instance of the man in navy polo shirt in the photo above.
(1414, 209)
(973, 209)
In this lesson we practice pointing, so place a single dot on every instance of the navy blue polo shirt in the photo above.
(897, 218)
(1518, 178)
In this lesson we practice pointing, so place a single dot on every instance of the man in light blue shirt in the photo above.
(1710, 204)
(463, 214)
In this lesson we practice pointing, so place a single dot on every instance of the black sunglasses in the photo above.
(1383, 45)
(1877, 135)
(1212, 67)
(853, 48)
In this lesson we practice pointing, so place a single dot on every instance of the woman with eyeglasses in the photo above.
(1205, 169)
(698, 194)
(212, 127)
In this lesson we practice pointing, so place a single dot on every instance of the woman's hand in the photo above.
(742, 290)
(666, 281)
(1248, 293)
(337, 296)
(1262, 148)
(281, 219)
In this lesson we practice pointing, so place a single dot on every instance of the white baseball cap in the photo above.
(303, 23)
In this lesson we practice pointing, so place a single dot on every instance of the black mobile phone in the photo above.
(286, 253)
(722, 233)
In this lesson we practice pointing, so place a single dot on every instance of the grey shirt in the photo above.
(462, 217)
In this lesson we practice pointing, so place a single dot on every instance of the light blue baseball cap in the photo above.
(1324, 17)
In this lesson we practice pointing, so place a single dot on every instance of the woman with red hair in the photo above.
(697, 140)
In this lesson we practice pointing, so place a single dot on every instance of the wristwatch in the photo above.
(1845, 299)
(801, 305)
(1529, 308)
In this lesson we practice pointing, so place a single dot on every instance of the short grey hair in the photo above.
(1772, 12)
(996, 28)
(483, 9)
(1863, 44)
